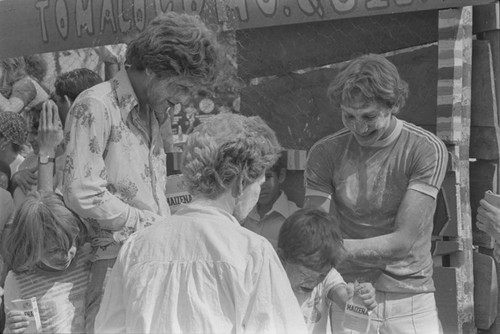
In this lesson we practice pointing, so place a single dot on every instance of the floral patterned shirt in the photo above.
(114, 175)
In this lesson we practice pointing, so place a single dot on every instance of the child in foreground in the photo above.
(310, 246)
(45, 251)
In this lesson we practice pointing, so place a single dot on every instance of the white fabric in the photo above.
(200, 272)
(316, 306)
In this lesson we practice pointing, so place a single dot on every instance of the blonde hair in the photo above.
(225, 149)
(42, 220)
(369, 79)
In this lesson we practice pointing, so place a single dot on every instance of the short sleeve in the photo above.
(429, 166)
(319, 170)
(333, 280)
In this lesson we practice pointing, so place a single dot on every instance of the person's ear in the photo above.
(237, 187)
(282, 175)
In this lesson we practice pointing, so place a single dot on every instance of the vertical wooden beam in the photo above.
(453, 127)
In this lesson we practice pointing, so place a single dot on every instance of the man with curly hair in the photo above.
(115, 168)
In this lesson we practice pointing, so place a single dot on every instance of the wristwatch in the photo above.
(45, 159)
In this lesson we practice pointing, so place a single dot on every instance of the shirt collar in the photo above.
(202, 207)
(124, 93)
(392, 137)
(280, 206)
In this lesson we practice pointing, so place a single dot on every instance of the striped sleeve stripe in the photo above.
(440, 149)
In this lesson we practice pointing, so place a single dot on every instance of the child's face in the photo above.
(303, 279)
(57, 258)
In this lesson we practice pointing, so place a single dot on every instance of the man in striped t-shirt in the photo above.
(381, 176)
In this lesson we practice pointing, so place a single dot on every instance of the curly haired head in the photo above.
(176, 45)
(312, 238)
(225, 149)
(369, 79)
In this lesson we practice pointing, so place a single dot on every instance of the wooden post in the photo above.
(453, 127)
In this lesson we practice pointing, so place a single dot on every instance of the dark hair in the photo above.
(312, 238)
(176, 45)
(281, 163)
(74, 82)
(368, 79)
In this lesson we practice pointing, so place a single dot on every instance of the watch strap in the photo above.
(43, 160)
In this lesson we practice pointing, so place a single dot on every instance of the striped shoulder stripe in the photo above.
(341, 133)
(440, 149)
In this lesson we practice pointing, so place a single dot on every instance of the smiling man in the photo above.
(380, 176)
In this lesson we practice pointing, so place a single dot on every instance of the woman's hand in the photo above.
(50, 132)
(488, 219)
(17, 322)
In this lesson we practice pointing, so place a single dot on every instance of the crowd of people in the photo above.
(86, 228)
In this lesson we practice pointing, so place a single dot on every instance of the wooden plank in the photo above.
(483, 101)
(279, 50)
(482, 178)
(485, 290)
(46, 26)
(483, 143)
(453, 126)
(486, 18)
(451, 189)
(445, 280)
(441, 248)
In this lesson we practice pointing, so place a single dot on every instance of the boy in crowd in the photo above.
(310, 246)
(273, 206)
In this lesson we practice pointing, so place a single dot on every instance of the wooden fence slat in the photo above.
(453, 126)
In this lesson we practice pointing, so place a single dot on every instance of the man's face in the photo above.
(163, 94)
(302, 279)
(368, 124)
(270, 189)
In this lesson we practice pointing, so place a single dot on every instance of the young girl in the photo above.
(45, 252)
(310, 246)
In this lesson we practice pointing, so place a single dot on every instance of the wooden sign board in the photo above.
(37, 26)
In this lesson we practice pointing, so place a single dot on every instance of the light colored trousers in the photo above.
(95, 291)
(397, 313)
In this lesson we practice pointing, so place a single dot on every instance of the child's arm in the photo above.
(340, 294)
(50, 135)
